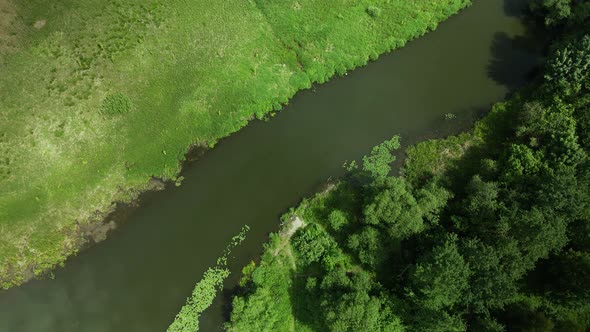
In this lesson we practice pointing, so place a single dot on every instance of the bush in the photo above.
(311, 243)
(116, 104)
(337, 219)
(374, 11)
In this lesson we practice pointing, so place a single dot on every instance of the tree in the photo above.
(432, 198)
(479, 210)
(395, 209)
(523, 162)
(440, 277)
(492, 283)
(439, 321)
(348, 305)
(355, 311)
(579, 234)
(369, 245)
(311, 243)
(337, 219)
(539, 231)
(554, 11)
(568, 70)
(561, 12)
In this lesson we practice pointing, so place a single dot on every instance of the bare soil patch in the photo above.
(39, 24)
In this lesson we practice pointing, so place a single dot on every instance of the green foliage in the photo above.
(205, 291)
(266, 304)
(395, 209)
(480, 209)
(311, 243)
(440, 278)
(439, 321)
(116, 104)
(432, 158)
(355, 312)
(494, 272)
(247, 273)
(561, 12)
(431, 199)
(564, 277)
(368, 244)
(554, 10)
(337, 220)
(377, 163)
(374, 11)
(568, 68)
(187, 320)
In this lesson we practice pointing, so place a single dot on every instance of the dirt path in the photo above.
(293, 226)
(286, 233)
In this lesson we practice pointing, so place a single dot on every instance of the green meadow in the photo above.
(99, 97)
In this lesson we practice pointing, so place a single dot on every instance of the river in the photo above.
(140, 276)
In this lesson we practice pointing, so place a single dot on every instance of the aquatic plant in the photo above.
(205, 291)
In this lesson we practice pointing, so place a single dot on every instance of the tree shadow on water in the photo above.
(514, 60)
(515, 8)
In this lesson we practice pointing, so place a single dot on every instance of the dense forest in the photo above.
(484, 231)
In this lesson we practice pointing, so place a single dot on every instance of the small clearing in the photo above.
(293, 226)
(287, 232)
(39, 24)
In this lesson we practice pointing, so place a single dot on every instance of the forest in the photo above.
(488, 230)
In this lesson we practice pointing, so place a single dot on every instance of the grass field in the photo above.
(98, 97)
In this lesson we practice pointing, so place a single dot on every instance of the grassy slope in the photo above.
(194, 72)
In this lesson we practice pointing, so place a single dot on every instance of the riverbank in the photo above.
(84, 91)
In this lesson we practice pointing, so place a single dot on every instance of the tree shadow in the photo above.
(515, 8)
(306, 303)
(514, 60)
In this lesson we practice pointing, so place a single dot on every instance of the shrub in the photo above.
(311, 243)
(337, 220)
(116, 104)
(373, 11)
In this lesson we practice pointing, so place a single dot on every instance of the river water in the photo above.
(140, 276)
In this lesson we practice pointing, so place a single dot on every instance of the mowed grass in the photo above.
(98, 97)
